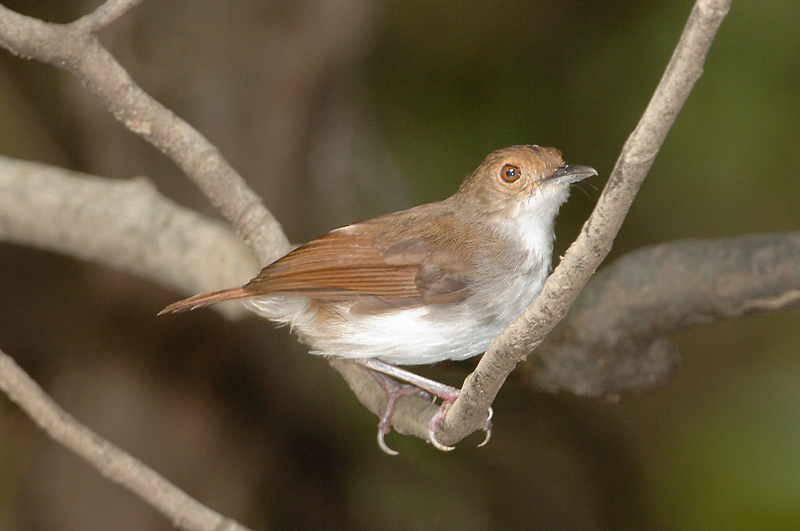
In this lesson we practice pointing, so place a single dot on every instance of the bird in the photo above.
(432, 283)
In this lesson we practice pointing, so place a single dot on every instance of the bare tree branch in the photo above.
(614, 338)
(115, 464)
(597, 236)
(127, 225)
(106, 14)
(74, 48)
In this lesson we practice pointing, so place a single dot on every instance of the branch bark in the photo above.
(106, 14)
(115, 464)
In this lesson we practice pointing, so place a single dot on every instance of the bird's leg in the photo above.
(393, 392)
(447, 393)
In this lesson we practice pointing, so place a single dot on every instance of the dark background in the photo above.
(337, 110)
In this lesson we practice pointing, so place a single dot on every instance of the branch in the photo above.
(112, 462)
(614, 338)
(106, 14)
(584, 256)
(127, 225)
(75, 48)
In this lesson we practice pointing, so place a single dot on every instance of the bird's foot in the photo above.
(416, 384)
(433, 427)
(393, 391)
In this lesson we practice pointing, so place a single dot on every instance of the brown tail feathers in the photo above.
(205, 299)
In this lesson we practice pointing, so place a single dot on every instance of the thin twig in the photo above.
(105, 15)
(115, 464)
(597, 236)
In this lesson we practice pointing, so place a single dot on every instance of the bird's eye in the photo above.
(510, 173)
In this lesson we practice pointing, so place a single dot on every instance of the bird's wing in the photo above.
(357, 262)
(379, 267)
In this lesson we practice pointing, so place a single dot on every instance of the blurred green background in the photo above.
(336, 110)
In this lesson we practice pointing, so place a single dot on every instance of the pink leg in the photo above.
(445, 392)
(393, 391)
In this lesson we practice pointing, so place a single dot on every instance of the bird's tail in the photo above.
(205, 299)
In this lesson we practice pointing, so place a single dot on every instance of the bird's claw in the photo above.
(487, 427)
(436, 444)
(394, 391)
(382, 444)
(486, 438)
(433, 429)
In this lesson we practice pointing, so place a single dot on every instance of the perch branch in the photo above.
(115, 464)
(597, 236)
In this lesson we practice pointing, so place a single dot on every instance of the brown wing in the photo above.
(362, 261)
(356, 261)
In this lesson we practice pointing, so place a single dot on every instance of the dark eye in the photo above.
(510, 173)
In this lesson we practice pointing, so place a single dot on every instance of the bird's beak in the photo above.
(570, 174)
